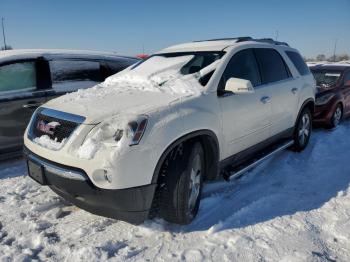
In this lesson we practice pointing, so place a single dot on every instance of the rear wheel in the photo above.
(182, 185)
(302, 131)
(336, 117)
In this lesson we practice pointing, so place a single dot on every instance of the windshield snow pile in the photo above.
(154, 74)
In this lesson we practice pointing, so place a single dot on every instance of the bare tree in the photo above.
(8, 47)
(321, 57)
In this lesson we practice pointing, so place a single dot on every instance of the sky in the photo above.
(129, 27)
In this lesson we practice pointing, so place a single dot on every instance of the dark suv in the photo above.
(29, 78)
(333, 93)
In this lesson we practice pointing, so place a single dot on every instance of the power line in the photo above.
(335, 48)
(3, 32)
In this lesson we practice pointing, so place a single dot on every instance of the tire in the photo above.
(336, 116)
(302, 130)
(179, 195)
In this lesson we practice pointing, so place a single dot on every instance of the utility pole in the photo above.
(3, 32)
(335, 48)
(276, 36)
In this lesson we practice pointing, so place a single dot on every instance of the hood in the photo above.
(98, 105)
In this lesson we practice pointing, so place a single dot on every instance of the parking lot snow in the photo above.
(294, 207)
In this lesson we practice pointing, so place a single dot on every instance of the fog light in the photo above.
(107, 176)
(102, 176)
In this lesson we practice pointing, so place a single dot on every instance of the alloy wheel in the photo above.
(304, 129)
(195, 182)
(337, 116)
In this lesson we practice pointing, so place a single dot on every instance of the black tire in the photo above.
(302, 130)
(175, 191)
(336, 117)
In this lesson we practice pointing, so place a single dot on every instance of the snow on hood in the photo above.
(139, 89)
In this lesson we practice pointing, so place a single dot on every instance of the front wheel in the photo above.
(302, 131)
(182, 187)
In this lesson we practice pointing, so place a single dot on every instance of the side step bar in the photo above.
(251, 165)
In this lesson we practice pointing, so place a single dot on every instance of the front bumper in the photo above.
(131, 205)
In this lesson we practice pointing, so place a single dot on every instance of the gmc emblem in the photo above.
(47, 128)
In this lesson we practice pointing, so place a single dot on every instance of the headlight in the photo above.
(322, 100)
(136, 129)
(116, 132)
(119, 129)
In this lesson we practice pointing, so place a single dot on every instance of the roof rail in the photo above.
(247, 38)
(239, 39)
(266, 40)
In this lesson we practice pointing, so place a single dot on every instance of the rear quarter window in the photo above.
(298, 62)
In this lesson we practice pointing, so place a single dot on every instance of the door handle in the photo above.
(32, 104)
(294, 90)
(265, 99)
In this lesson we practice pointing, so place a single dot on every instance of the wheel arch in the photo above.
(210, 144)
(308, 103)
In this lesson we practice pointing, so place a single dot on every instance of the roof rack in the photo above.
(247, 38)
(239, 39)
(269, 41)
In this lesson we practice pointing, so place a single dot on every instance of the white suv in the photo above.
(143, 142)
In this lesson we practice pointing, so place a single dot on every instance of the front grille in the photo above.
(56, 129)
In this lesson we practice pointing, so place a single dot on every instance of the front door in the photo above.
(19, 97)
(246, 117)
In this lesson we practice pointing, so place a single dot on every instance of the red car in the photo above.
(333, 93)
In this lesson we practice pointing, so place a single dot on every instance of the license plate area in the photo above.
(36, 172)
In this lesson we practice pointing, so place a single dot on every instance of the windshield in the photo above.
(176, 73)
(170, 65)
(327, 79)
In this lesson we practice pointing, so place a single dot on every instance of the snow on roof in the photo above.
(217, 45)
(33, 53)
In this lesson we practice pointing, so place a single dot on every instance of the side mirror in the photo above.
(239, 86)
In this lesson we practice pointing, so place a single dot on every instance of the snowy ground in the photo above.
(295, 207)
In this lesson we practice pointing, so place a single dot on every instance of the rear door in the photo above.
(21, 92)
(246, 117)
(283, 89)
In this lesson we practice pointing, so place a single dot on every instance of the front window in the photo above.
(326, 79)
(17, 77)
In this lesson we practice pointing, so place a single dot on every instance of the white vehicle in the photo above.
(143, 142)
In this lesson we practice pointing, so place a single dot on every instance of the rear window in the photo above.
(117, 66)
(75, 70)
(327, 79)
(298, 62)
(272, 65)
